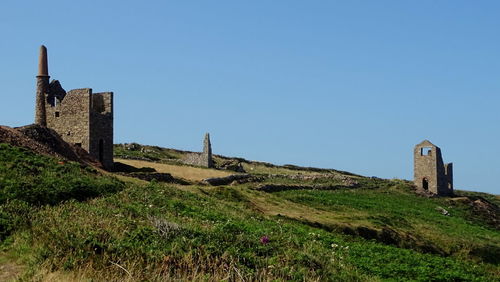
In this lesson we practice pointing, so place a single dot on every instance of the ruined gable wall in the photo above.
(70, 117)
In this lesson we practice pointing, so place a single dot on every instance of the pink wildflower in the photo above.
(264, 240)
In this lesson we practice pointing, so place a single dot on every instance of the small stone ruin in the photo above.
(203, 159)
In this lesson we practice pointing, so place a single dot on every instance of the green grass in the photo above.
(216, 229)
(28, 180)
(157, 232)
(409, 214)
(138, 151)
(40, 180)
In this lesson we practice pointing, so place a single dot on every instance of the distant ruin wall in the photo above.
(197, 159)
(203, 159)
(430, 173)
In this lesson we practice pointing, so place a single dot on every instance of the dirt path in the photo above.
(9, 271)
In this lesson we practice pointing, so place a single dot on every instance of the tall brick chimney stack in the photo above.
(42, 87)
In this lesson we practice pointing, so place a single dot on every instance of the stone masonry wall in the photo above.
(70, 117)
(198, 159)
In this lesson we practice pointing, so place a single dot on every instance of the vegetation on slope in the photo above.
(159, 231)
(29, 180)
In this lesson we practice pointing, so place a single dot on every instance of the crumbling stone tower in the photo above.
(430, 173)
(81, 117)
(203, 159)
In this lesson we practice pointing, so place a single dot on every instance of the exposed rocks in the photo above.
(482, 208)
(149, 176)
(443, 211)
(216, 181)
(233, 165)
(131, 146)
(127, 157)
(121, 167)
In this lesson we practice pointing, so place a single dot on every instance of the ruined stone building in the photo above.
(430, 173)
(203, 159)
(81, 117)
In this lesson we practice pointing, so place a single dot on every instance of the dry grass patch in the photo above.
(272, 205)
(9, 269)
(178, 171)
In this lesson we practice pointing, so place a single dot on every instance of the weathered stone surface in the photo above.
(430, 173)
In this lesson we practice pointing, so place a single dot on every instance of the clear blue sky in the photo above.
(351, 85)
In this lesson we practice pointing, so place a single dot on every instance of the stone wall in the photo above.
(197, 159)
(70, 116)
(430, 173)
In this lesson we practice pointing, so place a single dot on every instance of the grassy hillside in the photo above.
(327, 225)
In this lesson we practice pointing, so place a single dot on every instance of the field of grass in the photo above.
(139, 231)
(453, 234)
(152, 153)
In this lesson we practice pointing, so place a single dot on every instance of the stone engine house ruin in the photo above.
(81, 117)
(203, 159)
(430, 173)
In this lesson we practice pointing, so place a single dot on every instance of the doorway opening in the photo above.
(425, 184)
